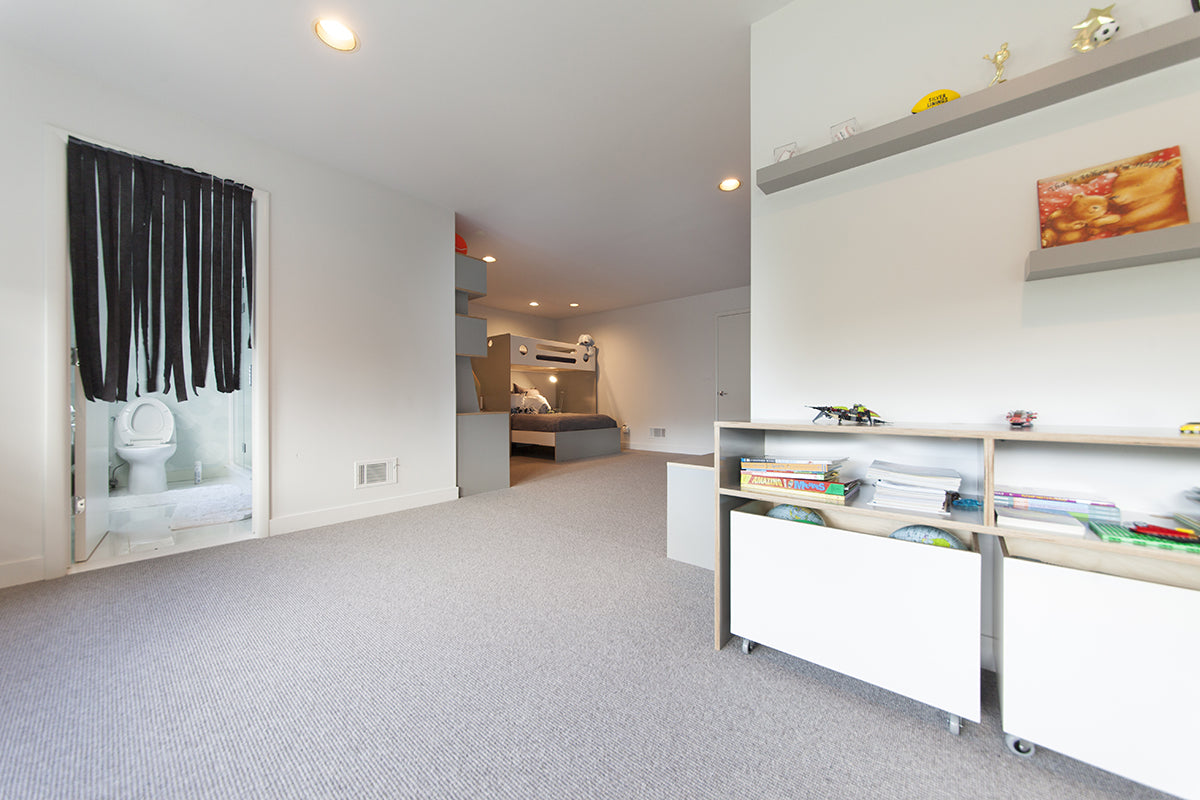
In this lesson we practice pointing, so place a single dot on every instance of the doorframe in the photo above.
(56, 519)
(717, 357)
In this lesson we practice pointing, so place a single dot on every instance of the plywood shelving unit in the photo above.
(830, 594)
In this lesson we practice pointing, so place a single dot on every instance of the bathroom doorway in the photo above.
(76, 540)
(106, 526)
(207, 495)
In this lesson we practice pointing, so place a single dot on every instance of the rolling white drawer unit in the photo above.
(1096, 643)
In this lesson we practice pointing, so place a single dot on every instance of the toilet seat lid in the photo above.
(145, 420)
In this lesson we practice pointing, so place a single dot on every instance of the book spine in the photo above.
(819, 469)
(1062, 506)
(779, 473)
(898, 507)
(789, 460)
(1001, 494)
(807, 497)
(794, 484)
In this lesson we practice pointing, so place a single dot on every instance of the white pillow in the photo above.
(534, 401)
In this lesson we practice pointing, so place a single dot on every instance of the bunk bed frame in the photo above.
(575, 394)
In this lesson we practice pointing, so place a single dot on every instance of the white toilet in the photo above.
(145, 428)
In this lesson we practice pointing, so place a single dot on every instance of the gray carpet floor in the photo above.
(533, 642)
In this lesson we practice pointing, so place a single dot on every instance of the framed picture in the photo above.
(1141, 193)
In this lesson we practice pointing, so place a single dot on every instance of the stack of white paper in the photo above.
(1040, 521)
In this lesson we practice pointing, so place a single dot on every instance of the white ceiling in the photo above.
(579, 142)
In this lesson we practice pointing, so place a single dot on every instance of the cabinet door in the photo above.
(900, 615)
(1103, 669)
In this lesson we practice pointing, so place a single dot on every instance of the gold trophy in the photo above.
(998, 62)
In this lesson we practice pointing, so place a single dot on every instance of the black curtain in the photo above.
(159, 254)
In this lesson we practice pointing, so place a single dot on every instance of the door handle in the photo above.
(722, 393)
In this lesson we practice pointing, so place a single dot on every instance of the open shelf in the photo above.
(1132, 250)
(968, 519)
(1176, 42)
(470, 276)
(1149, 437)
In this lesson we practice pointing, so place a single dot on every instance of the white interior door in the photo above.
(733, 367)
(89, 472)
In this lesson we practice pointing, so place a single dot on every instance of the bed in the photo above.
(550, 388)
(572, 435)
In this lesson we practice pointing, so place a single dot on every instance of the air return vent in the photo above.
(658, 433)
(375, 473)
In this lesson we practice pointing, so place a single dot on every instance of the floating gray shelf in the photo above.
(1118, 252)
(470, 276)
(1120, 60)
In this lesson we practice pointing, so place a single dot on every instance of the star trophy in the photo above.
(1096, 29)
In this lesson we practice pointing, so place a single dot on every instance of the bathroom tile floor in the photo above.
(145, 532)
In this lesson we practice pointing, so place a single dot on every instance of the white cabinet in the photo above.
(689, 520)
(1103, 669)
(897, 614)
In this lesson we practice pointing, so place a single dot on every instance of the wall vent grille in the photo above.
(658, 433)
(374, 473)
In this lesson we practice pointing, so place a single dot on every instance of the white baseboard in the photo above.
(652, 446)
(26, 570)
(332, 516)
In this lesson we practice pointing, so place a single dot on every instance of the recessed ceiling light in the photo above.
(729, 184)
(574, 305)
(534, 303)
(489, 259)
(336, 35)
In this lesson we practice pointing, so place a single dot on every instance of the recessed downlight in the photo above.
(729, 184)
(534, 303)
(574, 305)
(336, 35)
(489, 259)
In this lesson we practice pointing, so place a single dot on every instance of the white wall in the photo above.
(657, 367)
(916, 263)
(361, 315)
(500, 321)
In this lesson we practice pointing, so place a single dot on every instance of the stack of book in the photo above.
(798, 478)
(905, 487)
(1040, 521)
(1058, 503)
(1113, 532)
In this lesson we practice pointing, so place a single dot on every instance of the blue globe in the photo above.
(927, 534)
(796, 514)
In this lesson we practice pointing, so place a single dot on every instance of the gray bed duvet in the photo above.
(554, 423)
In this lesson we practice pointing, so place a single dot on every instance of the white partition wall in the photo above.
(917, 261)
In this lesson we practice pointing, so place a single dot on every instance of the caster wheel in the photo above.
(1019, 747)
(747, 646)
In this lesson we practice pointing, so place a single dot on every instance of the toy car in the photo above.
(1190, 427)
(1021, 419)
